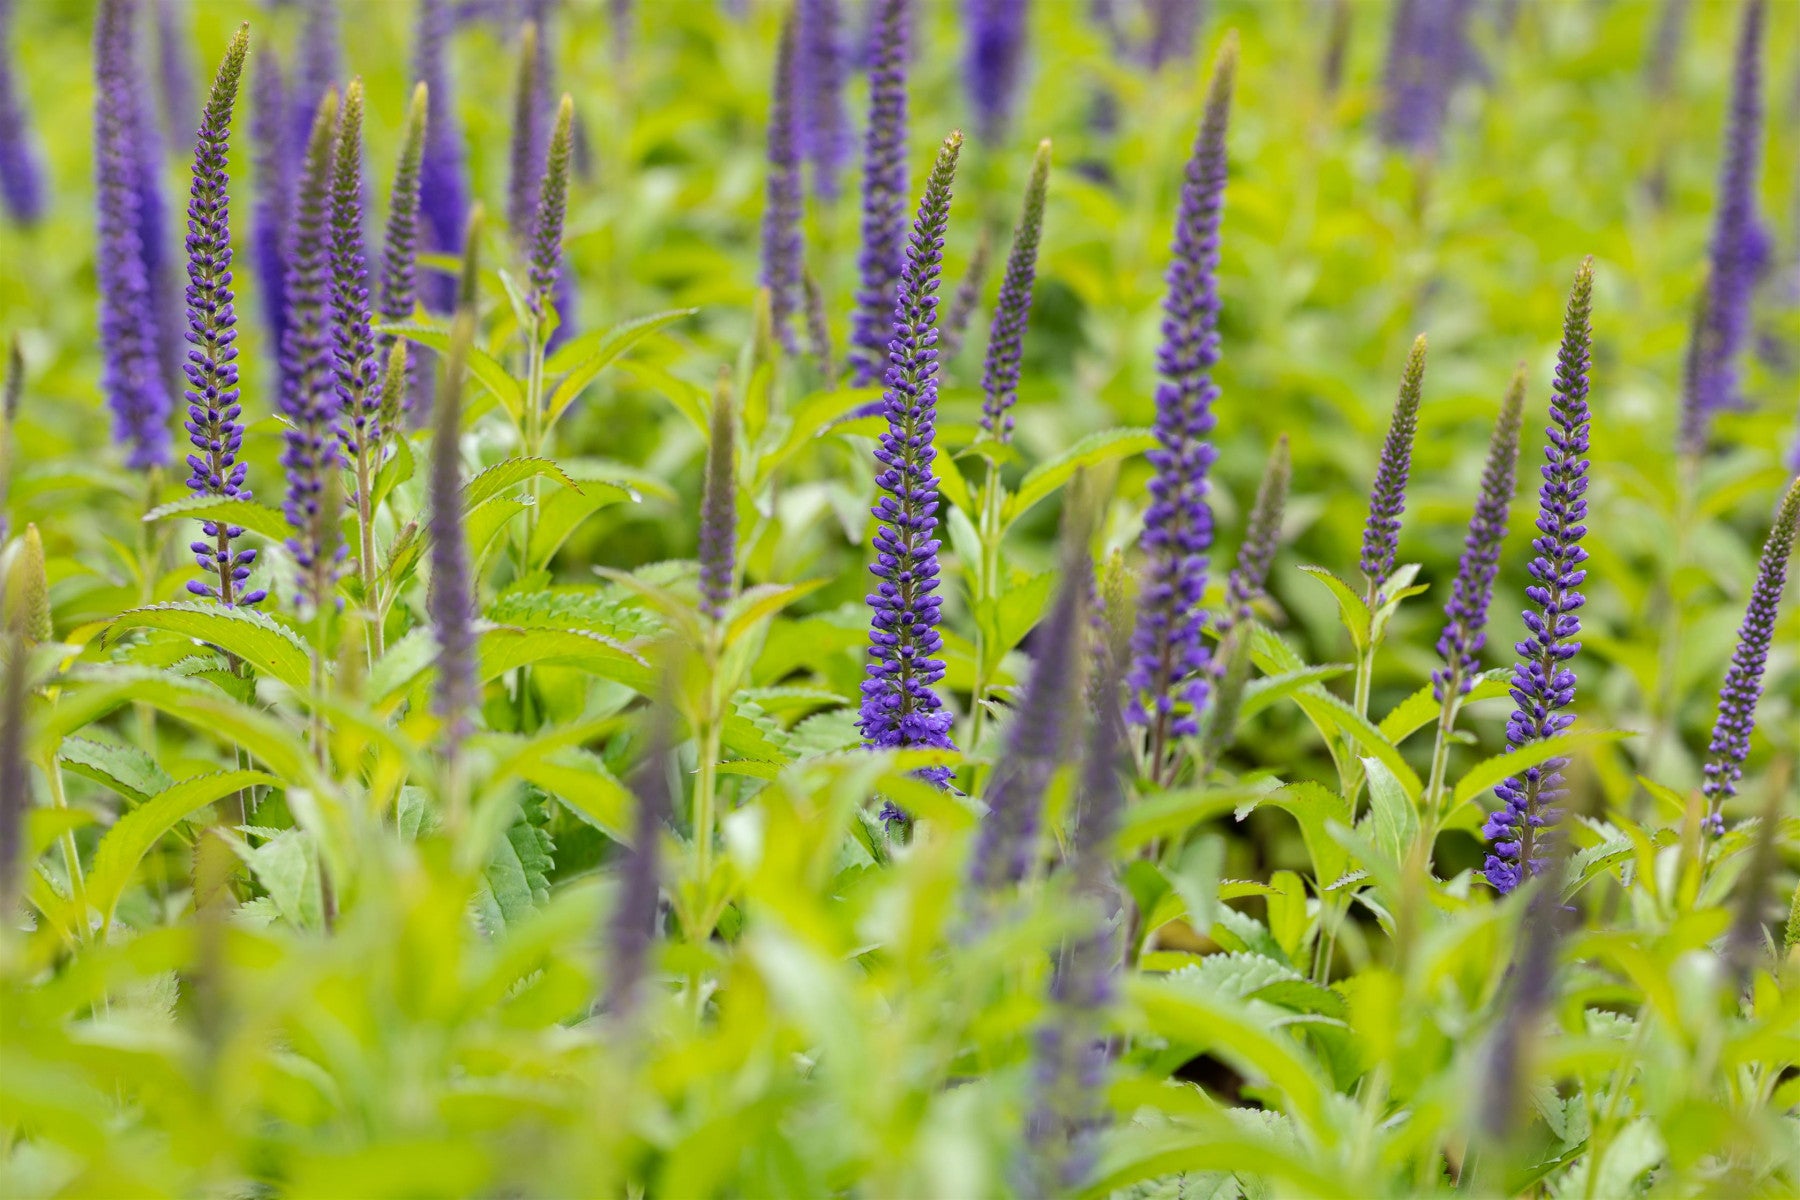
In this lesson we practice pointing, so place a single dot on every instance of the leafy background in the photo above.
(840, 1032)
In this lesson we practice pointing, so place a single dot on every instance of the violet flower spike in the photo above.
(1167, 678)
(631, 928)
(1174, 25)
(1466, 612)
(400, 254)
(1387, 499)
(213, 424)
(1248, 580)
(1006, 336)
(996, 62)
(782, 257)
(1722, 324)
(130, 375)
(15, 774)
(546, 267)
(450, 598)
(269, 230)
(1428, 54)
(529, 144)
(21, 159)
(718, 508)
(823, 122)
(175, 73)
(1038, 738)
(443, 192)
(308, 379)
(818, 328)
(318, 67)
(1543, 682)
(352, 339)
(900, 706)
(883, 192)
(1743, 679)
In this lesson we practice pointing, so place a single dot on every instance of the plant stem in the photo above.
(987, 575)
(71, 856)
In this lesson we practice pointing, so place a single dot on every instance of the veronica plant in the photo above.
(883, 192)
(443, 193)
(996, 30)
(823, 123)
(21, 166)
(270, 229)
(782, 265)
(1543, 682)
(400, 254)
(214, 424)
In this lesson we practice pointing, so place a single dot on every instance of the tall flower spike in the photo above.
(174, 72)
(1069, 1052)
(1543, 682)
(154, 230)
(443, 193)
(1387, 499)
(1262, 538)
(718, 508)
(967, 298)
(15, 776)
(1466, 612)
(883, 192)
(1173, 26)
(528, 143)
(400, 255)
(818, 329)
(9, 417)
(1039, 736)
(352, 339)
(450, 598)
(631, 928)
(1006, 336)
(309, 398)
(1428, 53)
(996, 61)
(553, 203)
(213, 424)
(130, 375)
(270, 232)
(824, 125)
(1532, 975)
(317, 68)
(1743, 680)
(21, 162)
(1722, 320)
(1167, 677)
(900, 706)
(781, 247)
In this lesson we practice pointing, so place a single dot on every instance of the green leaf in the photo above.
(273, 649)
(762, 602)
(689, 399)
(579, 778)
(1043, 479)
(503, 648)
(127, 770)
(1261, 693)
(126, 843)
(257, 518)
(809, 420)
(288, 870)
(1171, 814)
(395, 471)
(486, 522)
(516, 877)
(600, 353)
(560, 513)
(1352, 610)
(1326, 709)
(1486, 774)
(1423, 707)
(507, 474)
(486, 369)
(1315, 807)
(1396, 821)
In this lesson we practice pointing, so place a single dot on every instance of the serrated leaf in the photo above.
(608, 346)
(126, 843)
(1270, 689)
(395, 471)
(1396, 821)
(1315, 807)
(764, 601)
(257, 518)
(562, 512)
(507, 474)
(287, 869)
(1486, 774)
(271, 648)
(579, 778)
(484, 367)
(516, 877)
(1326, 709)
(502, 648)
(1423, 707)
(1353, 611)
(125, 769)
(1043, 480)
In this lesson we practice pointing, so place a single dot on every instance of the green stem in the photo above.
(987, 575)
(71, 856)
(1440, 754)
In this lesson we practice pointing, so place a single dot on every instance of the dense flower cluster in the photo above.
(443, 193)
(996, 60)
(782, 258)
(718, 510)
(1543, 682)
(883, 192)
(1006, 337)
(823, 123)
(21, 166)
(1387, 499)
(352, 337)
(1248, 579)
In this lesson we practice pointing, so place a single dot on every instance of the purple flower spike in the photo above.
(308, 384)
(317, 69)
(546, 269)
(400, 255)
(450, 599)
(270, 233)
(352, 341)
(1722, 319)
(631, 929)
(1168, 674)
(528, 140)
(21, 163)
(1174, 24)
(824, 125)
(900, 707)
(1743, 680)
(1387, 499)
(174, 72)
(782, 256)
(1262, 538)
(130, 375)
(443, 193)
(213, 424)
(996, 60)
(1543, 682)
(718, 510)
(1038, 738)
(1006, 337)
(1428, 53)
(883, 192)
(1466, 612)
